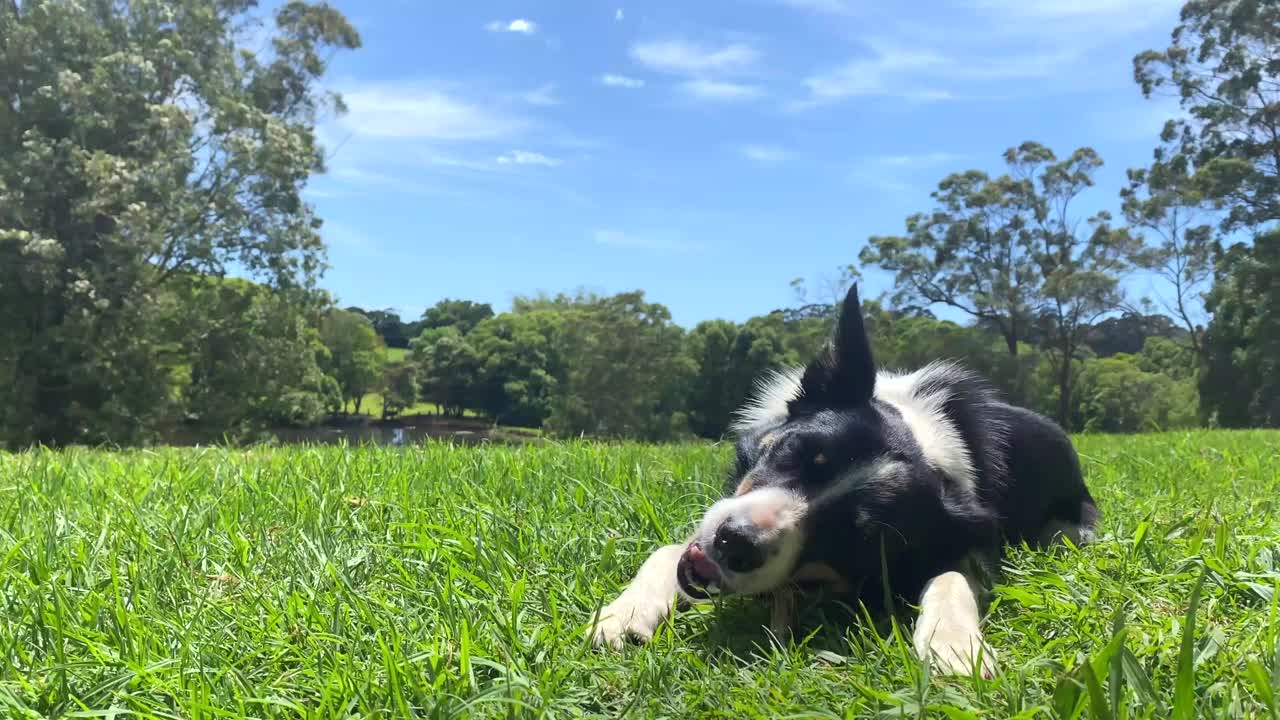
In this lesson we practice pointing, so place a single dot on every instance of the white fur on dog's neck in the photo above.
(918, 396)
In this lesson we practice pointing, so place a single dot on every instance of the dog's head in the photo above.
(813, 452)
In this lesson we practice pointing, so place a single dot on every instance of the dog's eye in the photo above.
(820, 459)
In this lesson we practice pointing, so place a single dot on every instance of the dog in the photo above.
(895, 489)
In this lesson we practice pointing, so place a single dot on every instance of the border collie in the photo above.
(889, 488)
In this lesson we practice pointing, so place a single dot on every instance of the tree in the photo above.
(1240, 382)
(976, 252)
(1118, 396)
(399, 388)
(139, 148)
(520, 366)
(1165, 201)
(727, 360)
(387, 323)
(1222, 65)
(462, 314)
(448, 368)
(1080, 270)
(355, 356)
(252, 358)
(624, 373)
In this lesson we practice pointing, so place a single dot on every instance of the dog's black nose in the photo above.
(738, 549)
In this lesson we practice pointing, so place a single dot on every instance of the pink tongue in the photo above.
(702, 564)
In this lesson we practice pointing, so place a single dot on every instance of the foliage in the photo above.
(356, 354)
(1221, 65)
(461, 314)
(448, 367)
(521, 366)
(628, 377)
(1240, 385)
(139, 147)
(254, 360)
(399, 388)
(458, 582)
(1117, 395)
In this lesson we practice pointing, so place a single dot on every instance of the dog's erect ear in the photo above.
(846, 375)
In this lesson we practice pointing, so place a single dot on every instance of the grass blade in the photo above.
(1184, 699)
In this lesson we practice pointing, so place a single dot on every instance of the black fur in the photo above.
(921, 519)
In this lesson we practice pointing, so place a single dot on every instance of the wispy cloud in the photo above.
(924, 75)
(838, 7)
(765, 154)
(410, 112)
(621, 239)
(680, 57)
(918, 161)
(621, 81)
(544, 96)
(519, 25)
(720, 90)
(525, 157)
(618, 16)
(1106, 16)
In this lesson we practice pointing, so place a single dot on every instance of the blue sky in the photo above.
(706, 152)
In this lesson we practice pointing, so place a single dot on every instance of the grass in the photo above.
(446, 582)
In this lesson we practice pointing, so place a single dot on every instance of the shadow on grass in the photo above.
(737, 629)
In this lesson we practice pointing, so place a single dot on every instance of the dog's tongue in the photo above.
(702, 564)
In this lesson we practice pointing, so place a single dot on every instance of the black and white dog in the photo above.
(857, 478)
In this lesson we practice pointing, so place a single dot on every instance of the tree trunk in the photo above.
(359, 399)
(1064, 391)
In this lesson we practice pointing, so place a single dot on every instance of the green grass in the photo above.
(443, 582)
(397, 354)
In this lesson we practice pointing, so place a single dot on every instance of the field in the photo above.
(445, 582)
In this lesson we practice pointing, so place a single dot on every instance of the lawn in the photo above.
(446, 582)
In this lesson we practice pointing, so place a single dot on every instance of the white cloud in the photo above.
(621, 81)
(838, 7)
(765, 154)
(919, 160)
(544, 96)
(519, 25)
(929, 75)
(720, 90)
(617, 15)
(409, 112)
(622, 239)
(679, 57)
(525, 157)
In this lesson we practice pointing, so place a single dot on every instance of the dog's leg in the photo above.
(947, 632)
(646, 602)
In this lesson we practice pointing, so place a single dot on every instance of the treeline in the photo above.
(618, 366)
(146, 158)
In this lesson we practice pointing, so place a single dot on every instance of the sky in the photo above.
(705, 152)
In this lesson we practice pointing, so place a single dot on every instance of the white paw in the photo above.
(631, 616)
(952, 649)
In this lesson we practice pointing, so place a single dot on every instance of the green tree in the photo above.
(448, 368)
(1165, 201)
(356, 354)
(253, 361)
(1118, 396)
(139, 146)
(625, 375)
(1240, 383)
(462, 314)
(977, 252)
(1081, 270)
(520, 366)
(399, 388)
(1221, 64)
(727, 360)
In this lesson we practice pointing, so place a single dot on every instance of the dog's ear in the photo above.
(846, 375)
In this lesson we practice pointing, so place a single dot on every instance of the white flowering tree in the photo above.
(144, 144)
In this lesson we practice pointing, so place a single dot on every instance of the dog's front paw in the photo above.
(952, 649)
(630, 617)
